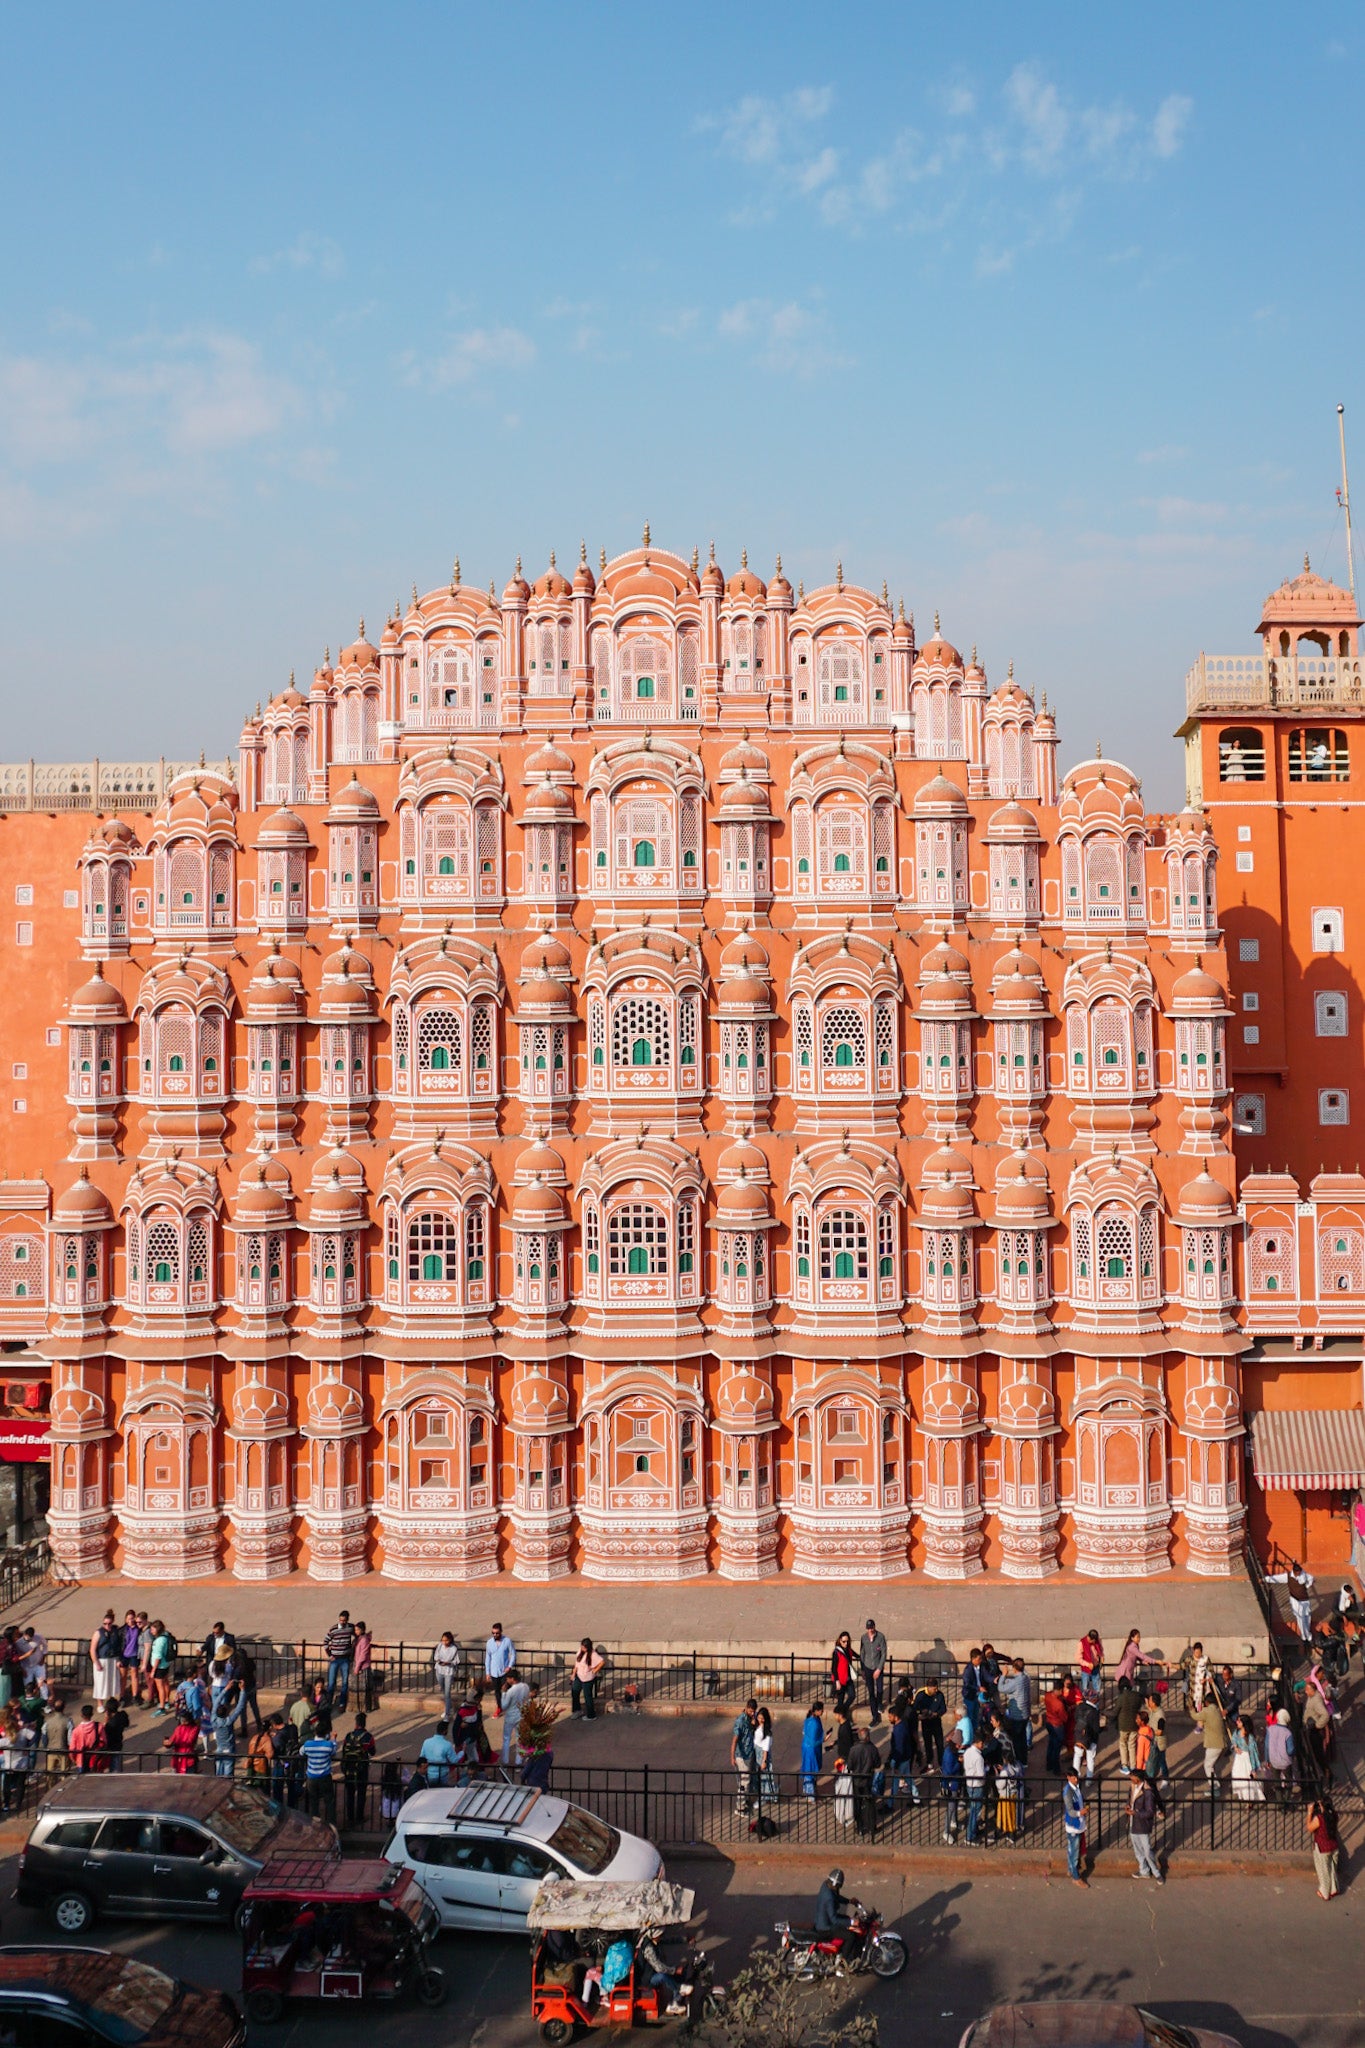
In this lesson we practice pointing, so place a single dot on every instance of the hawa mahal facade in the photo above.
(650, 1075)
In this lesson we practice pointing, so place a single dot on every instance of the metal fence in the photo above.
(681, 1677)
(680, 1809)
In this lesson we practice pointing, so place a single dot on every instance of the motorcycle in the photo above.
(807, 1955)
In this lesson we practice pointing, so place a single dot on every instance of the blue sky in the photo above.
(1042, 315)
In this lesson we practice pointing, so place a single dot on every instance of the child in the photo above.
(390, 1789)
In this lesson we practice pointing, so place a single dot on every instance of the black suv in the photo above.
(158, 1845)
(87, 1998)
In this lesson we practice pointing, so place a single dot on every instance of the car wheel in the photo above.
(72, 1912)
(264, 2007)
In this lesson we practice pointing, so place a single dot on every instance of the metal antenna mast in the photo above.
(1345, 495)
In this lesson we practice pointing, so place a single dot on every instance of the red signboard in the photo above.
(23, 1443)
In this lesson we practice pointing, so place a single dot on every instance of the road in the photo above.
(1261, 1959)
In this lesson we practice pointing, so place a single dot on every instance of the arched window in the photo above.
(1241, 754)
(432, 1246)
(637, 1239)
(644, 853)
(843, 1245)
(445, 865)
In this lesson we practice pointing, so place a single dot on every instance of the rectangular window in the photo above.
(1248, 1116)
(846, 1472)
(19, 1071)
(1246, 863)
(1248, 949)
(1251, 1034)
(23, 934)
(1329, 931)
(1334, 1106)
(1251, 1001)
(20, 1106)
(54, 1034)
(71, 899)
(23, 892)
(1329, 1013)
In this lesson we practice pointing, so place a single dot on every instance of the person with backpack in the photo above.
(356, 1752)
(260, 1757)
(161, 1666)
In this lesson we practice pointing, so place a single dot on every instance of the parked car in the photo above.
(87, 1998)
(481, 1850)
(155, 1844)
(1085, 2023)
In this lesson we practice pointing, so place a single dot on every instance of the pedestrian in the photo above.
(1085, 1735)
(952, 1780)
(286, 1760)
(106, 1648)
(243, 1669)
(587, 1669)
(439, 1754)
(976, 1772)
(56, 1739)
(763, 1759)
(1127, 1707)
(499, 1661)
(226, 1708)
(33, 1655)
(843, 1682)
(130, 1651)
(1246, 1763)
(469, 1734)
(1229, 1695)
(844, 1734)
(362, 1667)
(1090, 1657)
(1075, 1818)
(390, 1788)
(812, 1747)
(1214, 1735)
(146, 1696)
(742, 1754)
(975, 1685)
(115, 1728)
(319, 1754)
(1299, 1585)
(843, 1795)
(1128, 1670)
(446, 1663)
(1318, 1734)
(216, 1640)
(356, 1751)
(338, 1646)
(1279, 1752)
(872, 1663)
(260, 1756)
(1158, 1763)
(1144, 1804)
(1016, 1697)
(864, 1762)
(84, 1739)
(183, 1744)
(1321, 1823)
(159, 1668)
(902, 1756)
(1056, 1716)
(513, 1700)
(930, 1707)
(23, 1756)
(418, 1780)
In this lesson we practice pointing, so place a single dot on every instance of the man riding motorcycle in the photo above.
(834, 1915)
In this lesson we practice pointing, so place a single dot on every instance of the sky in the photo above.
(1040, 315)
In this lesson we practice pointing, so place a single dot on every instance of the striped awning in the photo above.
(1308, 1450)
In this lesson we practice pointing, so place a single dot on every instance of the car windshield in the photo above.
(245, 1819)
(124, 2006)
(1165, 2033)
(587, 1841)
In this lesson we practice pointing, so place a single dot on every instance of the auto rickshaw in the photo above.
(337, 1931)
(574, 1929)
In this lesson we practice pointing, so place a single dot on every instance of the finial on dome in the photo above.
(1011, 668)
(744, 558)
(1099, 750)
(801, 591)
(361, 634)
(976, 664)
(518, 568)
(644, 538)
(936, 629)
(838, 575)
(258, 707)
(778, 570)
(414, 593)
(455, 578)
(846, 1147)
(696, 560)
(900, 609)
(602, 561)
(552, 559)
(492, 591)
(886, 596)
(713, 551)
(583, 552)
(1306, 569)
(1045, 700)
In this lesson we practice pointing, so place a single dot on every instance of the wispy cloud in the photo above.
(1169, 451)
(979, 160)
(467, 357)
(789, 339)
(306, 252)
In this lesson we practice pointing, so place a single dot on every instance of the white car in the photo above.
(480, 1851)
(1085, 2023)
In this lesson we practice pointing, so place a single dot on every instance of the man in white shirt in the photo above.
(513, 1700)
(974, 1768)
(1299, 1585)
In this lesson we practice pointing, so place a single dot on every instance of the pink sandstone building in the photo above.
(649, 1075)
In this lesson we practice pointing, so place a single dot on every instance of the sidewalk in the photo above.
(772, 1618)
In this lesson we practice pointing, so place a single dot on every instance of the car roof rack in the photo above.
(498, 1805)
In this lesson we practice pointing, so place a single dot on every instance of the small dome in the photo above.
(536, 1207)
(779, 590)
(283, 828)
(712, 581)
(1021, 1191)
(264, 1197)
(82, 1207)
(545, 762)
(938, 653)
(97, 1001)
(939, 795)
(583, 578)
(744, 585)
(943, 1200)
(1205, 1197)
(744, 758)
(744, 1202)
(547, 800)
(361, 653)
(744, 799)
(1198, 990)
(1307, 598)
(544, 958)
(946, 1167)
(352, 802)
(552, 584)
(516, 590)
(944, 959)
(538, 1401)
(1012, 822)
(333, 1205)
(1016, 965)
(742, 1161)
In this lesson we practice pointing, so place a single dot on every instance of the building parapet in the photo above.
(1257, 682)
(94, 785)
